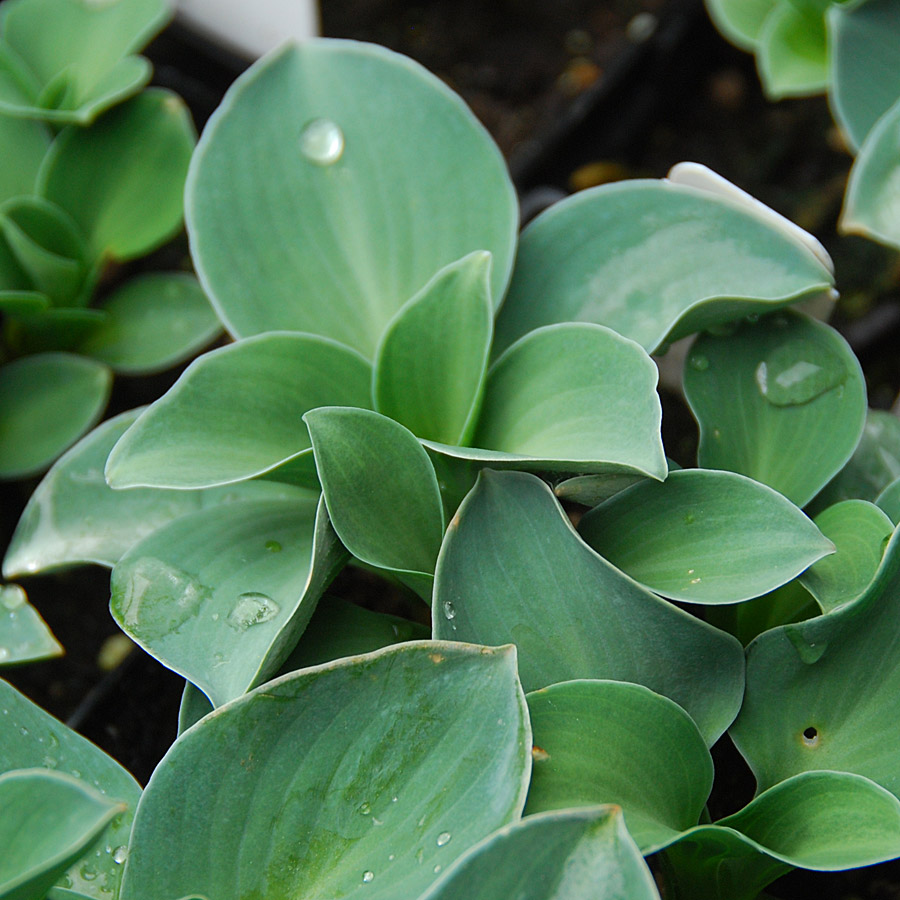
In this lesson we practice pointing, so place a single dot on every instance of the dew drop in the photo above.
(157, 597)
(322, 142)
(120, 854)
(695, 581)
(4, 654)
(809, 651)
(725, 329)
(377, 821)
(449, 611)
(699, 362)
(391, 858)
(798, 371)
(87, 873)
(273, 546)
(368, 876)
(444, 838)
(251, 609)
(364, 809)
(394, 799)
(49, 762)
(23, 731)
(12, 597)
(437, 869)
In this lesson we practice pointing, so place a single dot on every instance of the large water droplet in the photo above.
(322, 142)
(368, 876)
(444, 838)
(798, 371)
(809, 651)
(252, 609)
(120, 854)
(12, 596)
(449, 611)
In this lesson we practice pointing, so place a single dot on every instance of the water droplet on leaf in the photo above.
(252, 608)
(444, 838)
(322, 142)
(273, 546)
(365, 809)
(699, 362)
(449, 611)
(437, 868)
(12, 596)
(688, 518)
(798, 371)
(809, 651)
(368, 876)
(120, 854)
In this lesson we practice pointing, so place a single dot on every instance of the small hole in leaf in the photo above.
(810, 736)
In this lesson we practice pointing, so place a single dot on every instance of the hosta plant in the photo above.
(417, 391)
(851, 49)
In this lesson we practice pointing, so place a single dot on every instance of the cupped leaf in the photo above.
(573, 398)
(826, 821)
(583, 854)
(431, 362)
(46, 403)
(30, 738)
(825, 694)
(354, 779)
(49, 820)
(380, 487)
(153, 322)
(792, 52)
(875, 463)
(781, 400)
(859, 531)
(678, 537)
(513, 569)
(301, 228)
(616, 255)
(24, 635)
(77, 55)
(74, 517)
(740, 20)
(212, 595)
(237, 412)
(122, 180)
(591, 747)
(865, 64)
(872, 201)
(889, 501)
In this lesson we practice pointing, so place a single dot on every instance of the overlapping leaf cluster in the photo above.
(93, 176)
(413, 389)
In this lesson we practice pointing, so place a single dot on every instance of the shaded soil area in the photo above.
(576, 94)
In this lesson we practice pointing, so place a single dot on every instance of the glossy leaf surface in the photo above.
(513, 569)
(30, 738)
(153, 322)
(889, 501)
(792, 53)
(309, 766)
(574, 397)
(122, 180)
(781, 400)
(615, 255)
(46, 403)
(432, 360)
(380, 487)
(678, 537)
(823, 694)
(49, 820)
(591, 747)
(210, 595)
(236, 412)
(302, 229)
(24, 635)
(584, 854)
(859, 531)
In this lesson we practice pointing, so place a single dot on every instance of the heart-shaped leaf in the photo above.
(865, 64)
(106, 176)
(859, 531)
(615, 255)
(30, 738)
(299, 228)
(76, 55)
(223, 599)
(583, 854)
(677, 537)
(512, 568)
(74, 517)
(431, 363)
(792, 52)
(349, 780)
(781, 400)
(237, 412)
(24, 635)
(591, 747)
(380, 487)
(873, 192)
(574, 397)
(49, 820)
(46, 403)
(152, 323)
(825, 694)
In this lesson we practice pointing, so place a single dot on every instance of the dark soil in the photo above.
(576, 93)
